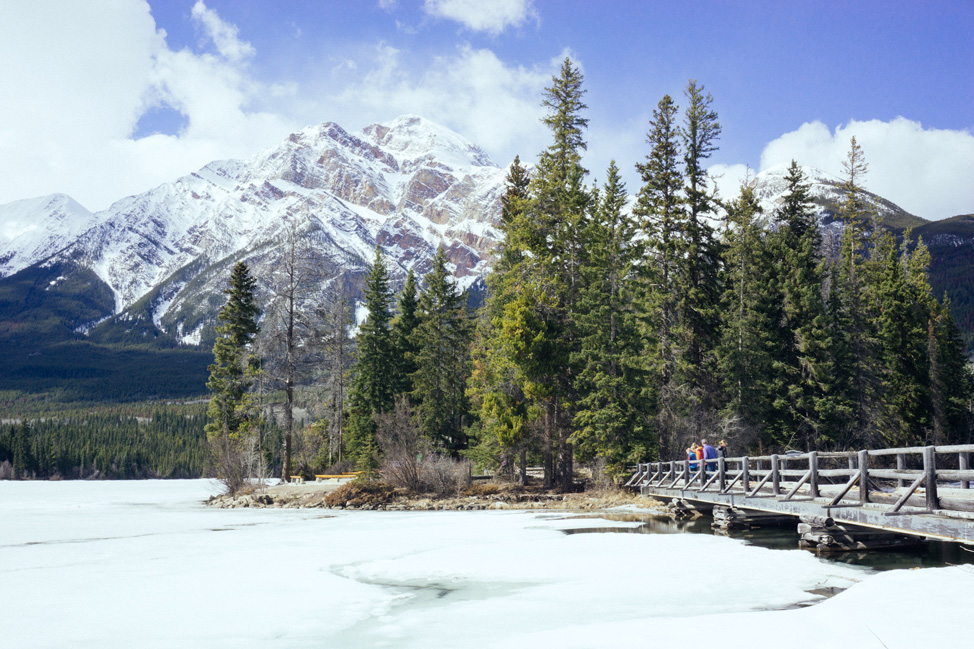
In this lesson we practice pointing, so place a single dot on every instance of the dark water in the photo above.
(928, 554)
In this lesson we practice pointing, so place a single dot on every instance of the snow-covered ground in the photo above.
(123, 564)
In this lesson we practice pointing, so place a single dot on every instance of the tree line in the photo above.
(615, 333)
(161, 442)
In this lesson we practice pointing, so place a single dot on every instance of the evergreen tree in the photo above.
(611, 420)
(904, 308)
(699, 253)
(442, 342)
(801, 367)
(659, 208)
(749, 307)
(231, 410)
(559, 205)
(495, 386)
(373, 386)
(859, 377)
(403, 327)
(951, 381)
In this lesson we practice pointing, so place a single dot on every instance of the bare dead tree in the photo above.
(338, 349)
(295, 279)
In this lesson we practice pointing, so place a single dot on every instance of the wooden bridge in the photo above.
(917, 492)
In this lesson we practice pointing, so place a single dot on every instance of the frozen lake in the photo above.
(144, 563)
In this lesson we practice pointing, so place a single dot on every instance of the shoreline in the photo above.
(316, 496)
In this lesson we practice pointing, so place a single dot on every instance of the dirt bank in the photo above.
(354, 496)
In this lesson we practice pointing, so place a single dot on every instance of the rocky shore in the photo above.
(362, 496)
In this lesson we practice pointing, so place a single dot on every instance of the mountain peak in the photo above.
(414, 137)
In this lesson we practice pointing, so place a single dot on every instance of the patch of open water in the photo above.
(929, 554)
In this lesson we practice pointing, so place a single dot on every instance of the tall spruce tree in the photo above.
(442, 342)
(749, 307)
(801, 366)
(659, 210)
(496, 385)
(905, 303)
(231, 410)
(373, 386)
(403, 326)
(858, 373)
(559, 204)
(699, 256)
(611, 419)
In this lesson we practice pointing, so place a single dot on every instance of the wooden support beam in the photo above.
(775, 475)
(805, 478)
(930, 473)
(813, 470)
(863, 477)
(906, 496)
(835, 501)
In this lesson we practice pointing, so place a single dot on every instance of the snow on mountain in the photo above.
(408, 185)
(826, 191)
(35, 228)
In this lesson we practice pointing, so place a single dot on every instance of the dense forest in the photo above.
(613, 331)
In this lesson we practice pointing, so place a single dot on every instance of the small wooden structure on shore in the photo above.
(898, 495)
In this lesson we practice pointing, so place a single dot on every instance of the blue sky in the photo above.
(135, 94)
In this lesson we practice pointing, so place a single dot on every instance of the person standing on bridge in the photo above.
(693, 455)
(722, 448)
(709, 453)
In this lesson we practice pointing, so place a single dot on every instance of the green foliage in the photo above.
(801, 366)
(232, 410)
(107, 441)
(403, 327)
(611, 420)
(442, 340)
(373, 385)
(750, 308)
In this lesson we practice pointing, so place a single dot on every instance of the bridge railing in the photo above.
(894, 477)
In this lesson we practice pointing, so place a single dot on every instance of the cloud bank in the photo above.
(84, 74)
(925, 171)
(491, 16)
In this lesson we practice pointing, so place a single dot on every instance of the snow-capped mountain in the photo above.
(408, 185)
(826, 191)
(36, 228)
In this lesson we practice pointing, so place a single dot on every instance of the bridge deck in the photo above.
(875, 489)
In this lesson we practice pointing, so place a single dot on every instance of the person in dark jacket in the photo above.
(722, 448)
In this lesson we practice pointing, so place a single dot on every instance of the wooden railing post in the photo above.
(686, 473)
(745, 475)
(930, 471)
(722, 473)
(775, 474)
(863, 477)
(964, 463)
(900, 465)
(813, 468)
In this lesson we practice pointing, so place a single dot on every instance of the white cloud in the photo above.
(729, 179)
(925, 171)
(78, 76)
(491, 16)
(473, 92)
(223, 35)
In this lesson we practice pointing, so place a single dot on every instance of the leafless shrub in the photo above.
(401, 445)
(6, 470)
(443, 475)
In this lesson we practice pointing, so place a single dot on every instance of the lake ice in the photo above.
(120, 564)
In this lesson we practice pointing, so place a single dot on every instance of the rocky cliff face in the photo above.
(408, 186)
